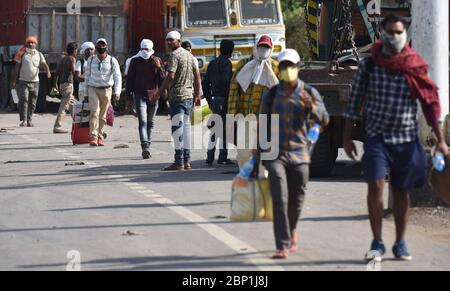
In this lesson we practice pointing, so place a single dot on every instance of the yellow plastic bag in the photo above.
(200, 113)
(251, 201)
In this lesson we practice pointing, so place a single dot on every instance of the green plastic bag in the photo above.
(200, 113)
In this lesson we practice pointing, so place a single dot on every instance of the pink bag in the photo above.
(110, 116)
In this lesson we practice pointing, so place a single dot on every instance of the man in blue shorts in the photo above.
(385, 91)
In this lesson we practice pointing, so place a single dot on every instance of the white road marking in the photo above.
(264, 264)
(240, 247)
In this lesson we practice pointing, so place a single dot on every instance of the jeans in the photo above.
(146, 114)
(219, 107)
(288, 185)
(28, 94)
(180, 113)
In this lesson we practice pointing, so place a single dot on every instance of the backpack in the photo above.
(272, 95)
(215, 72)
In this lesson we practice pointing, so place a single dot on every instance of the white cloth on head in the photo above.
(174, 35)
(87, 45)
(258, 71)
(146, 44)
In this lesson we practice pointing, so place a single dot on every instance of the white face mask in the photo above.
(146, 54)
(397, 42)
(263, 52)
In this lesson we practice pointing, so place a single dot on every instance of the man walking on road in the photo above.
(182, 76)
(145, 76)
(293, 101)
(65, 76)
(103, 76)
(29, 61)
(385, 91)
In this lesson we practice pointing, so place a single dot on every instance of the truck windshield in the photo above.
(257, 12)
(205, 13)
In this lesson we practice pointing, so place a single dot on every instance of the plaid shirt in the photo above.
(384, 98)
(247, 102)
(292, 129)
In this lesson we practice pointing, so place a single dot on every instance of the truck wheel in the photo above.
(324, 156)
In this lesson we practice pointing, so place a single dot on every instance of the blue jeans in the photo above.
(180, 113)
(219, 107)
(146, 114)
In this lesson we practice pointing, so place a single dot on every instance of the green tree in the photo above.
(296, 31)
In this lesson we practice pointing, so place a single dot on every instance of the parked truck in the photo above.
(341, 33)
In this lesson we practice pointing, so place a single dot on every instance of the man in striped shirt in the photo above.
(103, 79)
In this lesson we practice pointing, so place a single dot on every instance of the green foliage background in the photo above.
(296, 32)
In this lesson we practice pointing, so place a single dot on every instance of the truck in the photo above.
(205, 23)
(341, 33)
(124, 23)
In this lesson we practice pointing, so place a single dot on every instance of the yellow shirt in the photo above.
(248, 102)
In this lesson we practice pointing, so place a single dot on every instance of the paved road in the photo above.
(122, 213)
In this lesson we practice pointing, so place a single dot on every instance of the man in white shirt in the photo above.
(103, 79)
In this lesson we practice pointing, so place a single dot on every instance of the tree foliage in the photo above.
(296, 31)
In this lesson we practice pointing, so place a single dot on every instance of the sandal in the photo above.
(280, 255)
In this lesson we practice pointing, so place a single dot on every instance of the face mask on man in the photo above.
(397, 42)
(31, 48)
(101, 50)
(145, 54)
(289, 74)
(263, 52)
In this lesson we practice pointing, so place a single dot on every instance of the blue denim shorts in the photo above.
(406, 162)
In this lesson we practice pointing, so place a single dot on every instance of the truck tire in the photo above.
(324, 156)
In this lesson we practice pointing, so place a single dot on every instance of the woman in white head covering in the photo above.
(87, 50)
(259, 70)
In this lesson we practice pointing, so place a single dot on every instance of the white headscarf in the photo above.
(147, 44)
(258, 71)
(87, 45)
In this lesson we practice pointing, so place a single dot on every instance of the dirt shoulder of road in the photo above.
(433, 222)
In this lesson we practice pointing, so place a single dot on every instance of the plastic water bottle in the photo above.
(15, 96)
(247, 169)
(439, 162)
(314, 134)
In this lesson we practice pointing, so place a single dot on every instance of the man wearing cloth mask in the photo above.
(103, 79)
(294, 101)
(252, 79)
(86, 51)
(145, 76)
(29, 61)
(182, 76)
(385, 90)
